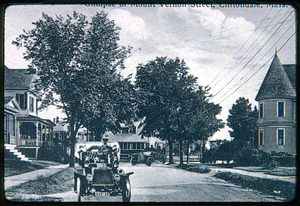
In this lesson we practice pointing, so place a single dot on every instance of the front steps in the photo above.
(12, 152)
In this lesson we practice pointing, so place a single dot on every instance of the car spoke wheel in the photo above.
(133, 160)
(126, 192)
(79, 191)
(149, 161)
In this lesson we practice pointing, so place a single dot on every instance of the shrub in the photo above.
(55, 154)
(271, 165)
(252, 157)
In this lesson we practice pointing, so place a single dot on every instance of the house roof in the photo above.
(17, 78)
(31, 118)
(279, 81)
(126, 138)
(291, 72)
(60, 127)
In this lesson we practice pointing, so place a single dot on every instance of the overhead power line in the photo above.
(275, 32)
(259, 60)
(241, 46)
(243, 57)
(258, 69)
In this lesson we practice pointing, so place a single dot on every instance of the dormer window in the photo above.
(280, 109)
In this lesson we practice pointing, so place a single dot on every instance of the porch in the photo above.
(34, 133)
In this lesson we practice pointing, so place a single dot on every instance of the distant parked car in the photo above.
(98, 173)
(147, 157)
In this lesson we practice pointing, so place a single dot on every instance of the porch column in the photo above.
(36, 133)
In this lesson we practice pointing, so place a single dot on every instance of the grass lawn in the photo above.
(16, 167)
(274, 187)
(279, 171)
(62, 181)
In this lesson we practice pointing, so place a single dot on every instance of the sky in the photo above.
(226, 46)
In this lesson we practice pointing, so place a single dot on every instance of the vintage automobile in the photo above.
(147, 156)
(98, 171)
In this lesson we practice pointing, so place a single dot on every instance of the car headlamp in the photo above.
(117, 177)
(86, 163)
(121, 171)
(89, 177)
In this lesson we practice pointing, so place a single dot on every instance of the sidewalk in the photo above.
(16, 180)
(215, 169)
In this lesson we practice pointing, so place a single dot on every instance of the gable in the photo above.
(11, 102)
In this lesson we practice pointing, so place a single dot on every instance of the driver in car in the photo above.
(105, 147)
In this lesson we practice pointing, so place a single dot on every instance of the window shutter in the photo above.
(18, 97)
(25, 100)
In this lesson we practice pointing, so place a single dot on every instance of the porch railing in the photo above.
(32, 142)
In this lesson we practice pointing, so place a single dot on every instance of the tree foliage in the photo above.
(173, 106)
(78, 64)
(242, 120)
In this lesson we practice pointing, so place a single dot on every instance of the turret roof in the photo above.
(280, 81)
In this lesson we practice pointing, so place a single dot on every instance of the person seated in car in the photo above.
(105, 148)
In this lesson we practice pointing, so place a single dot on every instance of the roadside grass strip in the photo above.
(62, 181)
(279, 188)
(203, 170)
(16, 167)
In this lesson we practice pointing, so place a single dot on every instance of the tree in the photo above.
(172, 105)
(242, 120)
(77, 63)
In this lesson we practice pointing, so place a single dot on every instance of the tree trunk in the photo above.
(73, 140)
(171, 161)
(73, 132)
(203, 148)
(187, 151)
(180, 152)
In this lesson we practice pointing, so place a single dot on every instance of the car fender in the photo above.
(126, 175)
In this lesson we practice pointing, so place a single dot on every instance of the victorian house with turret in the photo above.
(277, 109)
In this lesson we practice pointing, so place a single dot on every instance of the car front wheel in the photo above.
(126, 192)
(149, 161)
(133, 160)
(79, 191)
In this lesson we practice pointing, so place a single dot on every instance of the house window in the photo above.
(125, 145)
(280, 109)
(125, 130)
(22, 100)
(132, 130)
(31, 104)
(261, 110)
(138, 146)
(261, 137)
(36, 105)
(280, 136)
